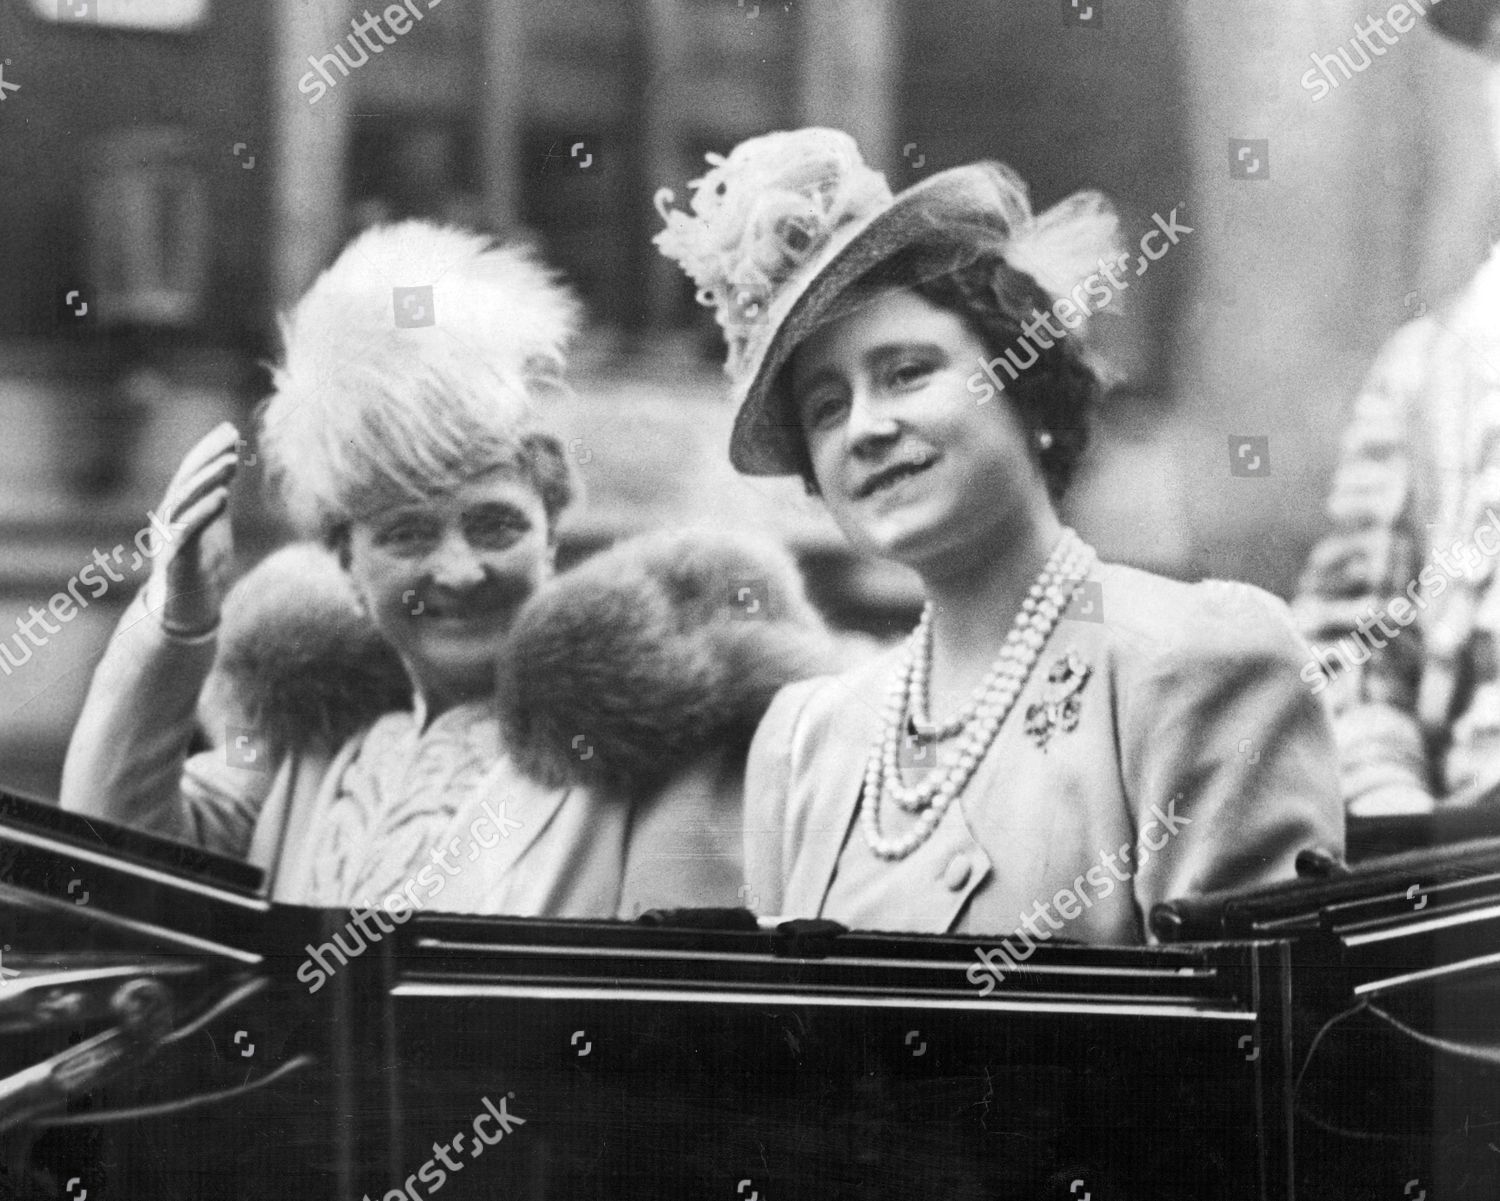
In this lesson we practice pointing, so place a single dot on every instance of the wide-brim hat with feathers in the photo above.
(782, 226)
(422, 341)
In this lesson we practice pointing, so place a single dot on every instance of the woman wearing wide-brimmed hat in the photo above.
(1015, 757)
(360, 754)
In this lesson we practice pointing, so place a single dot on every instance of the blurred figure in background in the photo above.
(1399, 599)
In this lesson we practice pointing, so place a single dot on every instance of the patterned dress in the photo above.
(396, 796)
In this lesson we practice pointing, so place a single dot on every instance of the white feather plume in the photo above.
(1063, 246)
(499, 325)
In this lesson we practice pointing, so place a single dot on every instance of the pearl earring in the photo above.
(1044, 439)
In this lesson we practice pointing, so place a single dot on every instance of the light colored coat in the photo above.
(576, 852)
(605, 778)
(1192, 717)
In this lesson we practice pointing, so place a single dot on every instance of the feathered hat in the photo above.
(784, 224)
(408, 359)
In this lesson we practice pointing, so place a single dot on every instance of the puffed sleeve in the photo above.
(768, 776)
(1227, 755)
(1372, 553)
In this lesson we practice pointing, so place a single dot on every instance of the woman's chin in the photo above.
(454, 646)
(905, 535)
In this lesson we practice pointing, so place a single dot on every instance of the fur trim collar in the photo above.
(637, 661)
(616, 675)
(298, 661)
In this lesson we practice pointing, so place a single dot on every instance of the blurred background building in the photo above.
(174, 171)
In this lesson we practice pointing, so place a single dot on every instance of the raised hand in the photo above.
(189, 572)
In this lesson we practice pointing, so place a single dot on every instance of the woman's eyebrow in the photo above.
(491, 508)
(879, 356)
(398, 513)
(823, 374)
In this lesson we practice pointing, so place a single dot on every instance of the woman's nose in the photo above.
(454, 564)
(871, 423)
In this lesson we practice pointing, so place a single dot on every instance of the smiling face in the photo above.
(443, 578)
(909, 465)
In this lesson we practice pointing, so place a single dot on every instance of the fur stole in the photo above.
(298, 661)
(639, 660)
(617, 674)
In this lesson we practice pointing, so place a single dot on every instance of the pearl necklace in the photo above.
(980, 719)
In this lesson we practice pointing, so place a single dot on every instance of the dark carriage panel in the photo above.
(162, 1038)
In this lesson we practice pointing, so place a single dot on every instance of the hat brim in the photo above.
(957, 210)
(1468, 22)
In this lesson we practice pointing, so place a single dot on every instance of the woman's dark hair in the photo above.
(1056, 394)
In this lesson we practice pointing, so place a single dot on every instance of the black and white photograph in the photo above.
(813, 600)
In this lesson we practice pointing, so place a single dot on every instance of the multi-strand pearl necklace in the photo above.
(982, 715)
